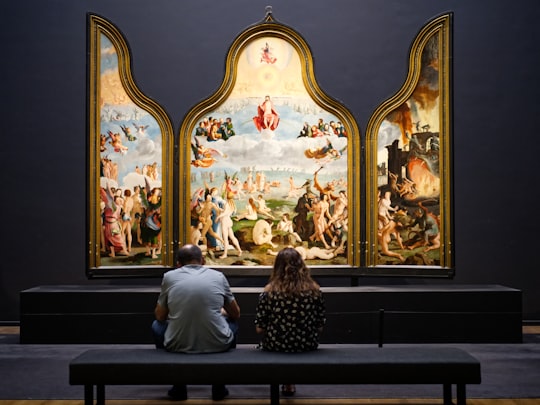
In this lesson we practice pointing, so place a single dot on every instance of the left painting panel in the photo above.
(129, 143)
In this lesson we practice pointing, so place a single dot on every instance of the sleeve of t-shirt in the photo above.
(228, 295)
(162, 299)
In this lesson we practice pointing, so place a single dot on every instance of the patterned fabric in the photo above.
(291, 323)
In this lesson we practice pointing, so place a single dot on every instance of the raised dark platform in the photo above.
(393, 314)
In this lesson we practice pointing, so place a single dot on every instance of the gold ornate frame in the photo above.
(130, 142)
(236, 81)
(430, 56)
(203, 183)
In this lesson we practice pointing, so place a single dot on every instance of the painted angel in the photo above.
(204, 156)
(116, 142)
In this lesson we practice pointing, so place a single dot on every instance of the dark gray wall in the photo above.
(360, 50)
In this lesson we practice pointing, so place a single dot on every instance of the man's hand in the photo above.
(231, 309)
(161, 313)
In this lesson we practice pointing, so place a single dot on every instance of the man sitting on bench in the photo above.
(196, 312)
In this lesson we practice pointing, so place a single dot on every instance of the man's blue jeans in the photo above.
(159, 328)
(219, 391)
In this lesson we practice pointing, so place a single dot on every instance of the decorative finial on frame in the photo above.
(268, 16)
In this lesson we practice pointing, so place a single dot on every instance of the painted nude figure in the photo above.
(267, 117)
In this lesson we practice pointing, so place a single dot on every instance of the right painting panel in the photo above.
(409, 156)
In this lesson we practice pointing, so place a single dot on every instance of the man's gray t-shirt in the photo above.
(194, 296)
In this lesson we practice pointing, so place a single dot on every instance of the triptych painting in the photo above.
(270, 160)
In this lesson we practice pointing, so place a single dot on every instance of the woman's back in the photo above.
(291, 322)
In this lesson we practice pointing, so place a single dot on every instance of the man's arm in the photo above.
(232, 309)
(161, 313)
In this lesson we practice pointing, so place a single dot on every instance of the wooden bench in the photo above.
(330, 364)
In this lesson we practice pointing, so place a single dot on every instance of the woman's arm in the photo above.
(260, 315)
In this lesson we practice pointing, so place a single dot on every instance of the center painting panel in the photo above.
(268, 166)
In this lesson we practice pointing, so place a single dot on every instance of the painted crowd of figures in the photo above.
(315, 221)
(125, 214)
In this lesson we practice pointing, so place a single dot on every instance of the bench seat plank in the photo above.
(330, 364)
(246, 365)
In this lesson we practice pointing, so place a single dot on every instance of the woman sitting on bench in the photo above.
(290, 312)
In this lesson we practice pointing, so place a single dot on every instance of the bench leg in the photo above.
(100, 395)
(461, 394)
(447, 394)
(88, 394)
(274, 394)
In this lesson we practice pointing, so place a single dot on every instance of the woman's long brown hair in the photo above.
(290, 275)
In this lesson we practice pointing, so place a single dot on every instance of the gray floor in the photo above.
(41, 372)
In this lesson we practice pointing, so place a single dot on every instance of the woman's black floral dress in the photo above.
(291, 323)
